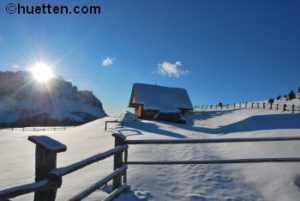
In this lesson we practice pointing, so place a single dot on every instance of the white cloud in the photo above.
(171, 69)
(108, 61)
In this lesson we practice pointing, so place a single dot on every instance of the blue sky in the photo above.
(229, 51)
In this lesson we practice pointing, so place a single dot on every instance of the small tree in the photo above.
(278, 97)
(291, 95)
(220, 104)
(271, 100)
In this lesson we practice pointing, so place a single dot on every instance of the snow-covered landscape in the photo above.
(262, 181)
(150, 100)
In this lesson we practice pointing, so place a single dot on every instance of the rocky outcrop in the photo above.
(26, 102)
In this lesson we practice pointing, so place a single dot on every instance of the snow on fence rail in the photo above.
(48, 178)
(253, 105)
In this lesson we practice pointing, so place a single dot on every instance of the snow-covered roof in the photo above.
(164, 99)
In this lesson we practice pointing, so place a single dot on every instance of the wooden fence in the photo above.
(113, 122)
(35, 129)
(253, 105)
(48, 178)
(206, 141)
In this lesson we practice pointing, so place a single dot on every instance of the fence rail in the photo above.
(206, 162)
(59, 172)
(215, 140)
(49, 178)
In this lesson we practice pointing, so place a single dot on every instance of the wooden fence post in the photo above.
(252, 105)
(257, 105)
(277, 106)
(284, 107)
(118, 160)
(240, 105)
(271, 104)
(234, 105)
(293, 108)
(246, 105)
(264, 105)
(45, 160)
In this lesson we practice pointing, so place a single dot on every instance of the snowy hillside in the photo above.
(249, 182)
(25, 102)
(283, 100)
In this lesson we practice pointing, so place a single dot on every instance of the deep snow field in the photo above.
(263, 181)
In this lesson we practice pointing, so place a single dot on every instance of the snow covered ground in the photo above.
(174, 182)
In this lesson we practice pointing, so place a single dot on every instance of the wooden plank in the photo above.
(58, 172)
(114, 194)
(118, 160)
(27, 188)
(226, 161)
(48, 143)
(99, 184)
(45, 161)
(125, 172)
(214, 140)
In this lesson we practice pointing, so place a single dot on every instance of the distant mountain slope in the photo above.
(25, 102)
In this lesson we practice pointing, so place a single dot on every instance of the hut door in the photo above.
(138, 111)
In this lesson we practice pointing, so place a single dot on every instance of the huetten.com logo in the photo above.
(18, 8)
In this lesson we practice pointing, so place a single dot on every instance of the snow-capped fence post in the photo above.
(118, 161)
(234, 105)
(240, 105)
(284, 108)
(277, 106)
(264, 105)
(246, 105)
(45, 160)
(271, 104)
(293, 108)
(257, 104)
(252, 105)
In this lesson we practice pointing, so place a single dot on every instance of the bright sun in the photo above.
(41, 72)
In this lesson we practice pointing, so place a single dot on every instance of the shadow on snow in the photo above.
(254, 123)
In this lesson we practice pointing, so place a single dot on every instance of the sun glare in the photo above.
(41, 72)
